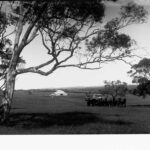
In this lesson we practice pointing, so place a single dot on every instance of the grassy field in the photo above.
(37, 113)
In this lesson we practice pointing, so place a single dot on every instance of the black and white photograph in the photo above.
(75, 67)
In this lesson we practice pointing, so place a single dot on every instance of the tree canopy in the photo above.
(64, 26)
(140, 73)
(115, 88)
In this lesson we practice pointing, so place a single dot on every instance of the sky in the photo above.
(35, 54)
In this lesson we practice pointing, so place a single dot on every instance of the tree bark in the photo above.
(8, 94)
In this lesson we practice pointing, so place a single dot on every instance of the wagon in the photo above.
(95, 99)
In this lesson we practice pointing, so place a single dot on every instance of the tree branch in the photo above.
(29, 29)
(48, 49)
(34, 34)
(37, 71)
(31, 69)
(79, 66)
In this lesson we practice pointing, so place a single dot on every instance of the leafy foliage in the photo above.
(46, 11)
(135, 13)
(6, 54)
(143, 89)
(115, 88)
(140, 73)
(109, 44)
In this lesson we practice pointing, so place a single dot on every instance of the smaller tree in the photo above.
(140, 73)
(115, 88)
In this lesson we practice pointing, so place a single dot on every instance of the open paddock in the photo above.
(38, 113)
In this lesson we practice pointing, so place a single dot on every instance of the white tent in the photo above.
(59, 93)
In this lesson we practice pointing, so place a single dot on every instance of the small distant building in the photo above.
(59, 93)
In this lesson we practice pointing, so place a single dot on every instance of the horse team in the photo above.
(118, 102)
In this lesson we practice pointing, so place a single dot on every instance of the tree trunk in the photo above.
(8, 94)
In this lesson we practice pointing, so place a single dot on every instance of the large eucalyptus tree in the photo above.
(65, 27)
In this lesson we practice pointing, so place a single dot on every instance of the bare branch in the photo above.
(26, 70)
(79, 66)
(10, 34)
(29, 29)
(37, 71)
(32, 37)
(48, 49)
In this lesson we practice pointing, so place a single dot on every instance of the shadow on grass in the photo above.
(42, 120)
(17, 108)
